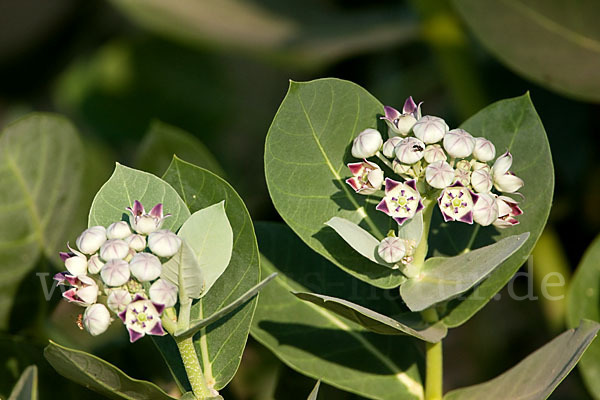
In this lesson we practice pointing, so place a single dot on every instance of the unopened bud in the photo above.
(95, 264)
(433, 153)
(390, 145)
(96, 319)
(118, 230)
(481, 180)
(115, 272)
(459, 143)
(485, 210)
(410, 150)
(430, 129)
(439, 174)
(163, 292)
(136, 242)
(391, 250)
(484, 150)
(91, 239)
(145, 267)
(114, 249)
(367, 143)
(118, 299)
(164, 243)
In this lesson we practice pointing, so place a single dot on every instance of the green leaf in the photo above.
(319, 343)
(219, 345)
(307, 149)
(163, 141)
(299, 33)
(27, 386)
(553, 43)
(536, 377)
(40, 175)
(583, 301)
(99, 375)
(359, 239)
(315, 392)
(209, 235)
(127, 185)
(375, 321)
(184, 271)
(514, 125)
(195, 326)
(442, 278)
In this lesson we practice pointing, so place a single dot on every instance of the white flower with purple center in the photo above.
(459, 143)
(367, 143)
(91, 239)
(508, 209)
(430, 129)
(439, 174)
(143, 222)
(142, 317)
(456, 203)
(410, 150)
(402, 200)
(401, 123)
(366, 178)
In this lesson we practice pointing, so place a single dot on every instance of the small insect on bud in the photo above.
(390, 145)
(164, 243)
(367, 143)
(410, 150)
(163, 292)
(430, 129)
(439, 174)
(118, 230)
(145, 267)
(96, 319)
(114, 249)
(485, 211)
(484, 150)
(433, 153)
(459, 143)
(91, 239)
(391, 250)
(118, 299)
(136, 242)
(115, 273)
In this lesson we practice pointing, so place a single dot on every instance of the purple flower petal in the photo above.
(390, 113)
(159, 307)
(390, 184)
(134, 335)
(157, 330)
(412, 183)
(409, 106)
(468, 218)
(420, 206)
(157, 211)
(64, 256)
(400, 220)
(447, 218)
(382, 206)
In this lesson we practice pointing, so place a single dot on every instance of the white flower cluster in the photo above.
(435, 163)
(118, 268)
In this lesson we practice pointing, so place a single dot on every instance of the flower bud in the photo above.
(85, 291)
(118, 299)
(430, 129)
(484, 150)
(114, 249)
(145, 267)
(485, 210)
(391, 250)
(410, 150)
(115, 272)
(164, 243)
(475, 165)
(143, 222)
(402, 169)
(96, 319)
(502, 165)
(163, 292)
(390, 145)
(508, 209)
(508, 183)
(91, 239)
(439, 174)
(398, 124)
(367, 143)
(433, 153)
(95, 264)
(136, 242)
(75, 262)
(459, 143)
(481, 180)
(118, 230)
(366, 178)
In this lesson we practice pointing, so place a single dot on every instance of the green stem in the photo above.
(434, 366)
(421, 251)
(193, 369)
(385, 160)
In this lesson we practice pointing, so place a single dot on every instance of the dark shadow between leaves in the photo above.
(346, 348)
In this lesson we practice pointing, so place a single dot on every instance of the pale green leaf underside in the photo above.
(127, 185)
(99, 375)
(583, 301)
(358, 238)
(536, 377)
(40, 172)
(551, 42)
(183, 270)
(443, 278)
(27, 385)
(306, 152)
(195, 326)
(315, 392)
(514, 125)
(375, 321)
(319, 343)
(209, 235)
(221, 350)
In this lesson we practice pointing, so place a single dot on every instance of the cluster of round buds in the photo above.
(117, 269)
(435, 162)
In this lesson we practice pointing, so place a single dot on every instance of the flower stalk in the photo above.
(434, 367)
(193, 369)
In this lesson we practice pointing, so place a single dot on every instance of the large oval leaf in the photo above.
(552, 42)
(536, 377)
(583, 301)
(221, 344)
(306, 152)
(127, 185)
(99, 375)
(40, 173)
(319, 343)
(513, 125)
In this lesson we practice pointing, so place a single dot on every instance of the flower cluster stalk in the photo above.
(193, 369)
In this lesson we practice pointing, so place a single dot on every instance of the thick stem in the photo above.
(193, 368)
(434, 366)
(421, 251)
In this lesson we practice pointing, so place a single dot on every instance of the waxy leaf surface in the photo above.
(183, 270)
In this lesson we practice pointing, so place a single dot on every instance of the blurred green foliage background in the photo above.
(218, 69)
